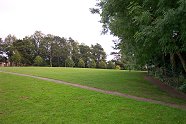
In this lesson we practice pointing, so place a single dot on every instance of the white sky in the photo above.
(65, 18)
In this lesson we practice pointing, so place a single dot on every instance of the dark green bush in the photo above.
(183, 88)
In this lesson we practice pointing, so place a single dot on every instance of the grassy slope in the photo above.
(122, 81)
(27, 100)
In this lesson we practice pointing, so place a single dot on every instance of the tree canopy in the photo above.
(151, 31)
(49, 50)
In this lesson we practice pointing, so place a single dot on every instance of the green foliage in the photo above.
(183, 88)
(38, 61)
(118, 67)
(81, 63)
(85, 53)
(16, 57)
(102, 65)
(98, 53)
(54, 50)
(110, 65)
(69, 63)
(148, 29)
(92, 64)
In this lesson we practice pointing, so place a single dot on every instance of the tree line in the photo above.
(50, 50)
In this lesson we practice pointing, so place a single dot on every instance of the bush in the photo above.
(118, 67)
(183, 88)
(69, 63)
(110, 65)
(92, 64)
(102, 65)
(38, 61)
(81, 63)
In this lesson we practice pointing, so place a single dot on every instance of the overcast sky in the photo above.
(65, 18)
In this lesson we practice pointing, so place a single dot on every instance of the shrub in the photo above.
(69, 63)
(118, 67)
(102, 65)
(92, 64)
(183, 88)
(81, 63)
(110, 65)
(38, 61)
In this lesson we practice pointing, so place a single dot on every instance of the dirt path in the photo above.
(103, 91)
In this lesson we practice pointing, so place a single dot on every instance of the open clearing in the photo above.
(132, 83)
(29, 100)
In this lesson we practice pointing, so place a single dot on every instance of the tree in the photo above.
(81, 63)
(16, 57)
(38, 61)
(92, 64)
(98, 53)
(69, 63)
(8, 47)
(1, 46)
(148, 30)
(85, 53)
(75, 51)
(102, 65)
(110, 65)
(37, 37)
(27, 50)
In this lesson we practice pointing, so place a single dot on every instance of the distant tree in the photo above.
(8, 47)
(110, 65)
(16, 57)
(69, 63)
(81, 63)
(1, 46)
(37, 37)
(85, 53)
(102, 65)
(38, 61)
(74, 50)
(92, 64)
(98, 53)
(27, 50)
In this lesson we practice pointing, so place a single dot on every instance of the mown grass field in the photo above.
(132, 83)
(26, 100)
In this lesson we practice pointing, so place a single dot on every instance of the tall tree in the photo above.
(74, 50)
(16, 58)
(98, 53)
(27, 50)
(85, 53)
(37, 37)
(8, 46)
(147, 29)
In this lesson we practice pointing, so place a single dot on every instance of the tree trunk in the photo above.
(172, 61)
(182, 60)
(50, 62)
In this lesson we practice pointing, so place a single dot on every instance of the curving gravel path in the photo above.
(102, 91)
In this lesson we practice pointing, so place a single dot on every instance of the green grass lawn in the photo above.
(26, 100)
(132, 83)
